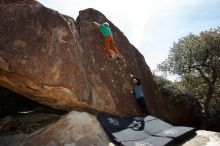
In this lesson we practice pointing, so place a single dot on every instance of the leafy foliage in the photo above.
(196, 59)
(174, 91)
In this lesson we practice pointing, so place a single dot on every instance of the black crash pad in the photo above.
(149, 131)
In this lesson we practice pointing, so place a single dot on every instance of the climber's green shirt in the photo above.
(106, 31)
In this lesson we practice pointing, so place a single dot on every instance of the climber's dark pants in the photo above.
(142, 105)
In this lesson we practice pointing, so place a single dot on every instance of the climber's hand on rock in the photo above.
(131, 75)
(95, 23)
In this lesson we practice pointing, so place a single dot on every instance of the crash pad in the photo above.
(147, 130)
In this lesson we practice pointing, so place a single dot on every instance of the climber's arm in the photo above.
(132, 90)
(131, 75)
(96, 24)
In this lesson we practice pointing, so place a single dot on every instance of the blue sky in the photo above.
(150, 25)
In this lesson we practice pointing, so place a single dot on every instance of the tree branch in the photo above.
(201, 73)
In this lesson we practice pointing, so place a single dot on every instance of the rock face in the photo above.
(8, 123)
(179, 112)
(204, 138)
(29, 2)
(50, 58)
(59, 62)
(75, 128)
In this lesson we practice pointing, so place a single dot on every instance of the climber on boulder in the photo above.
(139, 95)
(109, 44)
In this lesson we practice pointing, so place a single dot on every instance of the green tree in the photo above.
(196, 59)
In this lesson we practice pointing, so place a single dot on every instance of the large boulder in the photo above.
(50, 58)
(73, 129)
(59, 62)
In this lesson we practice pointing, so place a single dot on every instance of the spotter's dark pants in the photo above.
(142, 105)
